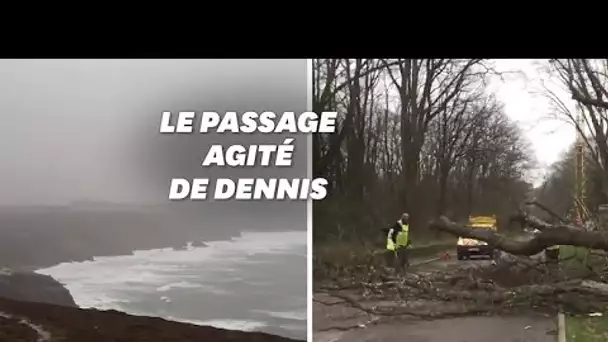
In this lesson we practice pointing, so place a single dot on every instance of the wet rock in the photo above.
(77, 325)
(33, 287)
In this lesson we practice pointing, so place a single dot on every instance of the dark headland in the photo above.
(36, 307)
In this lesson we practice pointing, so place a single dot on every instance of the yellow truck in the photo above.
(467, 247)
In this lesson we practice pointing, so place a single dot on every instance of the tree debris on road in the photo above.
(516, 282)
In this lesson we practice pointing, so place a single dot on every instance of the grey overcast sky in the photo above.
(64, 128)
(89, 129)
(519, 92)
(69, 127)
(519, 89)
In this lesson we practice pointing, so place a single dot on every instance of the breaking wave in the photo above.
(258, 279)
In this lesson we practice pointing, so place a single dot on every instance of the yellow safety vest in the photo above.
(402, 237)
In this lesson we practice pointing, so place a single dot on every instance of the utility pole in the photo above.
(579, 170)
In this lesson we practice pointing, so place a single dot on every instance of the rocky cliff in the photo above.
(38, 322)
(37, 308)
(33, 287)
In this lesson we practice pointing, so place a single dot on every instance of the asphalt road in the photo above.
(340, 323)
(465, 329)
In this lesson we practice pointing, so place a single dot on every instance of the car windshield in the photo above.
(482, 227)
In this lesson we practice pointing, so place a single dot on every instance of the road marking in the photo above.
(561, 327)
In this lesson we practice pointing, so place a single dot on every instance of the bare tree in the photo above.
(425, 135)
(425, 88)
(587, 83)
(413, 135)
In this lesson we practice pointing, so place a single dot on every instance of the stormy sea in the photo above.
(254, 282)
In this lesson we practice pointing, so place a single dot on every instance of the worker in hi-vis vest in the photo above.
(397, 241)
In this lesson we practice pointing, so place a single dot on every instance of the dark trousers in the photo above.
(397, 258)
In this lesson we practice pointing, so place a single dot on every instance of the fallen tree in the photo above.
(515, 282)
(550, 235)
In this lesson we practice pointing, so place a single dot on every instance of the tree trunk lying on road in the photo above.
(550, 235)
(514, 282)
(457, 291)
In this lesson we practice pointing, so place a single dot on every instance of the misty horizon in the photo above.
(88, 130)
(86, 175)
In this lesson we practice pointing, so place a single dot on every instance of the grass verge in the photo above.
(586, 329)
(345, 255)
(583, 328)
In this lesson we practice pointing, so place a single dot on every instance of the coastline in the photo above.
(33, 239)
(53, 287)
(24, 321)
(40, 237)
(188, 258)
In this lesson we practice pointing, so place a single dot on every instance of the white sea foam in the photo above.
(111, 282)
(293, 315)
(178, 285)
(215, 290)
(231, 324)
